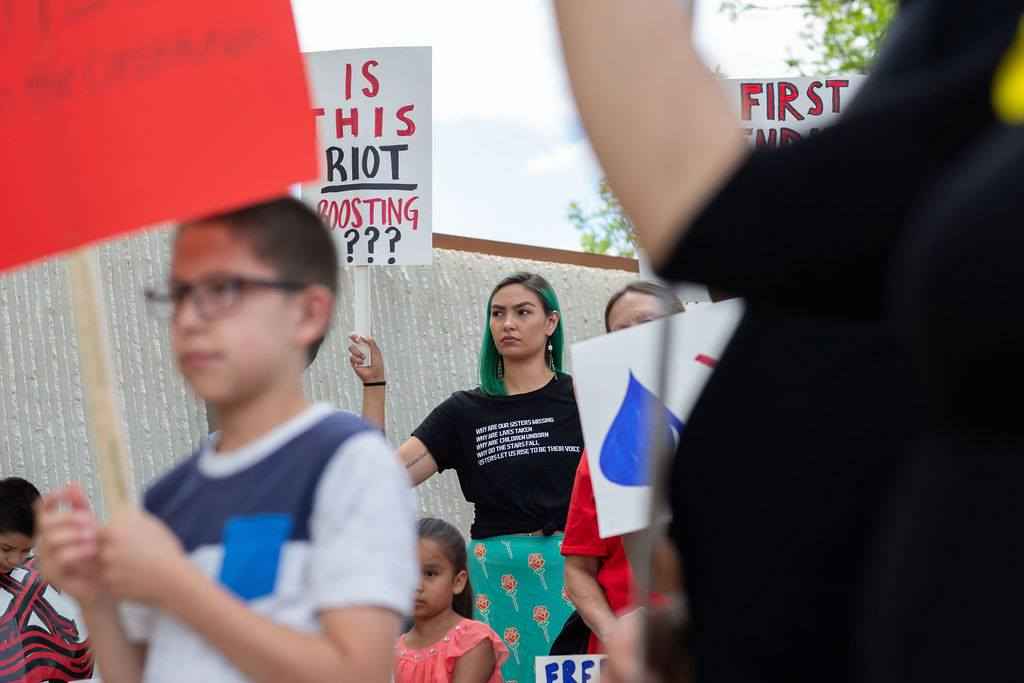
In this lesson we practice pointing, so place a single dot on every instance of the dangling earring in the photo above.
(551, 356)
(501, 368)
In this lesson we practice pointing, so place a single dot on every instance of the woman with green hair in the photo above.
(515, 442)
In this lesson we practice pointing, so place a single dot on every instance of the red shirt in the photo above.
(581, 538)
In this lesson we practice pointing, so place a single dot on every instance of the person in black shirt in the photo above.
(514, 442)
(831, 527)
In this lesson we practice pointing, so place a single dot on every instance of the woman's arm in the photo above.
(372, 378)
(414, 454)
(586, 593)
(417, 460)
(683, 139)
(373, 406)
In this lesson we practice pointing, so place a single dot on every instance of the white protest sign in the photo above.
(568, 669)
(373, 119)
(779, 111)
(617, 379)
(775, 112)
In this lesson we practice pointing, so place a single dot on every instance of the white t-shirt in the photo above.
(317, 515)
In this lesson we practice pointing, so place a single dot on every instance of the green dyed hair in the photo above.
(490, 383)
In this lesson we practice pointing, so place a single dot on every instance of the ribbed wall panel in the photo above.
(428, 321)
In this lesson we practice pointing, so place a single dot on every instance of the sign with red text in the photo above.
(780, 111)
(373, 117)
(120, 114)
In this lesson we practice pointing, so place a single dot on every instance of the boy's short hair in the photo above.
(286, 234)
(17, 496)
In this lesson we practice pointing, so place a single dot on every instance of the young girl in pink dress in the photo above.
(445, 645)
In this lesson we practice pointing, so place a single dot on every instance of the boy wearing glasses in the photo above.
(283, 549)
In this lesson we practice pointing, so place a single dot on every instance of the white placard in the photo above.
(373, 119)
(568, 669)
(616, 377)
(774, 112)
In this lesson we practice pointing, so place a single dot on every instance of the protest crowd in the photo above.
(314, 518)
(830, 476)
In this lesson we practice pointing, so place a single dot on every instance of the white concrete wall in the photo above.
(429, 322)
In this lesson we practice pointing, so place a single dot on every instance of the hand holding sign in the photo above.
(367, 372)
(67, 546)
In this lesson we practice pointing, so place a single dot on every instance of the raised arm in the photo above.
(414, 454)
(372, 377)
(683, 141)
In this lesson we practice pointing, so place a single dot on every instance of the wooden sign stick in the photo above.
(106, 427)
(361, 301)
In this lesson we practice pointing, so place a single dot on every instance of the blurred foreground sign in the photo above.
(617, 381)
(115, 114)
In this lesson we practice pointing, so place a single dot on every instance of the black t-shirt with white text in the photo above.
(515, 456)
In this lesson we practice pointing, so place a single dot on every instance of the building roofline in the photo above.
(526, 251)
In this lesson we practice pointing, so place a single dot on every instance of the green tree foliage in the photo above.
(606, 230)
(842, 37)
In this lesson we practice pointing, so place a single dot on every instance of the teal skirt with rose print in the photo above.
(519, 591)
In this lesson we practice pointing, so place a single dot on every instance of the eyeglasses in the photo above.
(214, 297)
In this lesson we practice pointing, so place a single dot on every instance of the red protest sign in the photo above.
(116, 114)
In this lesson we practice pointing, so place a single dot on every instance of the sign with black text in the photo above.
(373, 117)
(568, 669)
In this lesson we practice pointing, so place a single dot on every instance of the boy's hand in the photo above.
(375, 371)
(67, 549)
(140, 558)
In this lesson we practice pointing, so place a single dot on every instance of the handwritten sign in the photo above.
(568, 669)
(617, 385)
(781, 111)
(373, 116)
(123, 113)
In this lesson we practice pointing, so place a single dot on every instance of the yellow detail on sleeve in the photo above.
(1008, 84)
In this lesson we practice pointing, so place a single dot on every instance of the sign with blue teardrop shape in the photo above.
(616, 377)
(624, 451)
